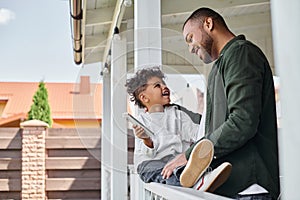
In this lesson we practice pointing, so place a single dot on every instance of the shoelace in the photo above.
(208, 170)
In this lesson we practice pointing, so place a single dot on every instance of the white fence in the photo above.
(157, 191)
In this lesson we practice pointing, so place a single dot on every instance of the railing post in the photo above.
(119, 182)
(33, 159)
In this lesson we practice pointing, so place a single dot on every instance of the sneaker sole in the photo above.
(220, 178)
(198, 162)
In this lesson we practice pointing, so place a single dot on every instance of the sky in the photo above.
(36, 43)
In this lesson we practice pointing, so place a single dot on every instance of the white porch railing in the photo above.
(157, 191)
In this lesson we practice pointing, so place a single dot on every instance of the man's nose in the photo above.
(191, 49)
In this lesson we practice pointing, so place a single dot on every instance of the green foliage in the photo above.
(40, 108)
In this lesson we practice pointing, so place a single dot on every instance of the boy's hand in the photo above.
(140, 133)
(170, 166)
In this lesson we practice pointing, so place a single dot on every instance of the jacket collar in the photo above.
(239, 37)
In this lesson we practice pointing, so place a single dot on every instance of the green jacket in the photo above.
(241, 118)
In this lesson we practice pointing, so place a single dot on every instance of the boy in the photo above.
(173, 130)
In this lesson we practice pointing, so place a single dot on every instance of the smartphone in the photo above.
(134, 121)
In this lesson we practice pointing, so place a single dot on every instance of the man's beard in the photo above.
(206, 46)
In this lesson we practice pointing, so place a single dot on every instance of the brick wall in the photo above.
(41, 163)
(33, 160)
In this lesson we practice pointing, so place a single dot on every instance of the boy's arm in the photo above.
(140, 133)
(189, 130)
(196, 117)
(142, 152)
(148, 142)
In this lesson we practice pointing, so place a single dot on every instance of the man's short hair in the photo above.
(201, 13)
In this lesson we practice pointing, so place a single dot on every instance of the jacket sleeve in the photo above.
(243, 72)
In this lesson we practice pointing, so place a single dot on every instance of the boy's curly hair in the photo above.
(138, 83)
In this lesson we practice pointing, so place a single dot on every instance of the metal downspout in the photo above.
(76, 17)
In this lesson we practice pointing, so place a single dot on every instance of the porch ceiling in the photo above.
(101, 16)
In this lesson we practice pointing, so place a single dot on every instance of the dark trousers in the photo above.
(150, 171)
(254, 197)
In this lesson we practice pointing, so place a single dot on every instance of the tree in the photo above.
(40, 109)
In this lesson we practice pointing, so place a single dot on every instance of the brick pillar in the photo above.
(33, 159)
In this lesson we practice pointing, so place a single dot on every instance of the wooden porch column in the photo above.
(33, 159)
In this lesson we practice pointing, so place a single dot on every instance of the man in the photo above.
(240, 114)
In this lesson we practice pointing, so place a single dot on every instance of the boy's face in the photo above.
(156, 92)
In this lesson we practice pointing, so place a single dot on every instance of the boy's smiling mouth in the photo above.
(166, 92)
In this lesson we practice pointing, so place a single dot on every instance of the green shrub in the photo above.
(40, 109)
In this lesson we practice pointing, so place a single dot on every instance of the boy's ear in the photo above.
(144, 98)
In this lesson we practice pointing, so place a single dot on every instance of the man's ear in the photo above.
(208, 24)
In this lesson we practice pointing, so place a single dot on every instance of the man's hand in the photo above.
(140, 133)
(170, 166)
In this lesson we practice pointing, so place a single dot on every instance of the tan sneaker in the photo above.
(210, 181)
(199, 161)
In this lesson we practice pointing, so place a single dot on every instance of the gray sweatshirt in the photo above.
(174, 131)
